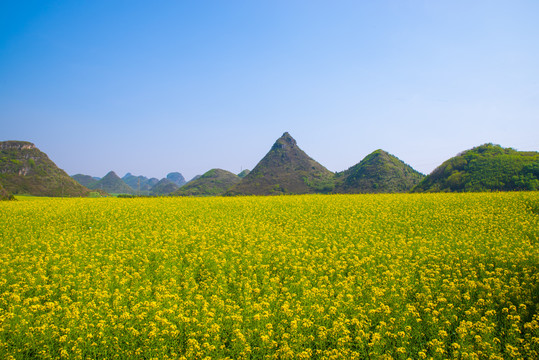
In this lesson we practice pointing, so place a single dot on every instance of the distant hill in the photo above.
(194, 178)
(285, 169)
(378, 172)
(244, 173)
(139, 183)
(24, 169)
(85, 180)
(4, 194)
(212, 183)
(177, 178)
(487, 167)
(113, 184)
(164, 187)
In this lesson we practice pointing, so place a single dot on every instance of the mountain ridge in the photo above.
(285, 169)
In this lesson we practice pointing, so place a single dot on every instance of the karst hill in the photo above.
(24, 169)
(285, 169)
(487, 167)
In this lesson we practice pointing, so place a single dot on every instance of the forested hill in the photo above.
(487, 167)
(24, 169)
(378, 172)
(214, 182)
(285, 169)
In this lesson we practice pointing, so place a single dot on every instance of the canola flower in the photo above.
(409, 276)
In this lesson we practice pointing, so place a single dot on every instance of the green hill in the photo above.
(164, 187)
(212, 183)
(85, 180)
(113, 184)
(24, 169)
(285, 169)
(378, 172)
(177, 178)
(487, 167)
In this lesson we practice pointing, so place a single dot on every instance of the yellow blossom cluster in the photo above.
(400, 276)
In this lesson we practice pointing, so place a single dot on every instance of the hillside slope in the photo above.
(177, 178)
(113, 184)
(285, 169)
(487, 167)
(378, 172)
(212, 183)
(139, 183)
(24, 169)
(164, 187)
(85, 180)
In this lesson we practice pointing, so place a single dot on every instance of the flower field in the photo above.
(291, 277)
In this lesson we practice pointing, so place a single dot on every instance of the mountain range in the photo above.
(285, 169)
(139, 185)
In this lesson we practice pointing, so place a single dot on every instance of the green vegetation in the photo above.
(5, 195)
(85, 180)
(214, 182)
(113, 184)
(24, 169)
(378, 172)
(285, 169)
(244, 173)
(485, 168)
(164, 187)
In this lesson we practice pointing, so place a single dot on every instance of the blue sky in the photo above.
(150, 87)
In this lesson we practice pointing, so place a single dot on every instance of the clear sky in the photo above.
(151, 87)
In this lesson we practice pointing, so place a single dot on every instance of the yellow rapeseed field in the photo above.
(293, 277)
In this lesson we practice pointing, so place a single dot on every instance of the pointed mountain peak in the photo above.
(286, 141)
(112, 184)
(285, 169)
(111, 174)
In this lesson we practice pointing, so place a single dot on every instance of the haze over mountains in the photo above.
(285, 169)
(139, 185)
